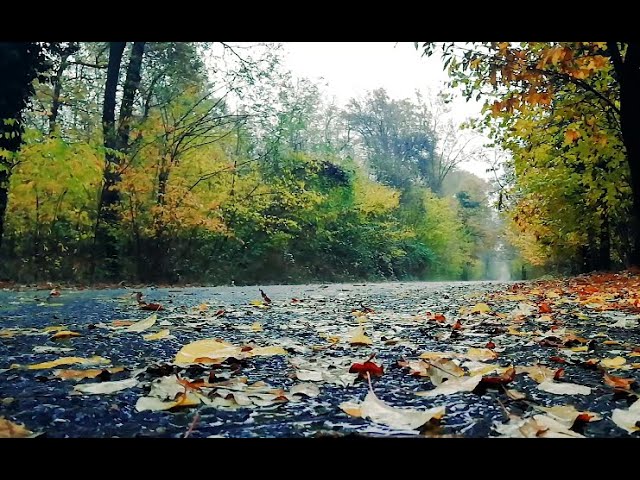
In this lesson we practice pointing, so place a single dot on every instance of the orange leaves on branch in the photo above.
(571, 135)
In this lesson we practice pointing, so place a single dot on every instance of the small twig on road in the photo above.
(193, 425)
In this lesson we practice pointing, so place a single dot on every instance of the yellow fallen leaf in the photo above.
(9, 429)
(158, 335)
(53, 328)
(611, 342)
(634, 354)
(142, 325)
(539, 373)
(358, 337)
(583, 348)
(68, 361)
(266, 351)
(216, 350)
(511, 330)
(480, 308)
(518, 297)
(82, 374)
(64, 334)
(613, 362)
(155, 404)
(351, 408)
(203, 307)
(256, 327)
(8, 333)
(480, 354)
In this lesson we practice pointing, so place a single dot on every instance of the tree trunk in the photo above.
(131, 84)
(604, 248)
(104, 240)
(628, 74)
(57, 90)
(115, 141)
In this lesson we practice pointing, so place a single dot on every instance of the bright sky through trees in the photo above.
(349, 69)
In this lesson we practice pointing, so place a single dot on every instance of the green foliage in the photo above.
(266, 192)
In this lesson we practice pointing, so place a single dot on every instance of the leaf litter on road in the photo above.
(518, 348)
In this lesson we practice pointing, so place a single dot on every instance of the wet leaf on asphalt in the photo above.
(9, 429)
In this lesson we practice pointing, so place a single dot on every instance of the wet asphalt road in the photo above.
(48, 406)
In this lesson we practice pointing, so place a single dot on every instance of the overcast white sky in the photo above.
(349, 69)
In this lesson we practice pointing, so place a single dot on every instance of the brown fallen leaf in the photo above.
(502, 379)
(618, 382)
(9, 429)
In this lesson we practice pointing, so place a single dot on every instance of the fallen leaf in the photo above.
(453, 385)
(442, 369)
(514, 394)
(567, 414)
(9, 429)
(480, 308)
(158, 335)
(68, 361)
(154, 307)
(82, 374)
(367, 367)
(155, 404)
(615, 362)
(480, 354)
(502, 379)
(122, 323)
(308, 389)
(397, 418)
(564, 388)
(106, 387)
(215, 350)
(358, 337)
(256, 327)
(266, 351)
(142, 324)
(539, 373)
(544, 308)
(64, 334)
(618, 382)
(628, 419)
